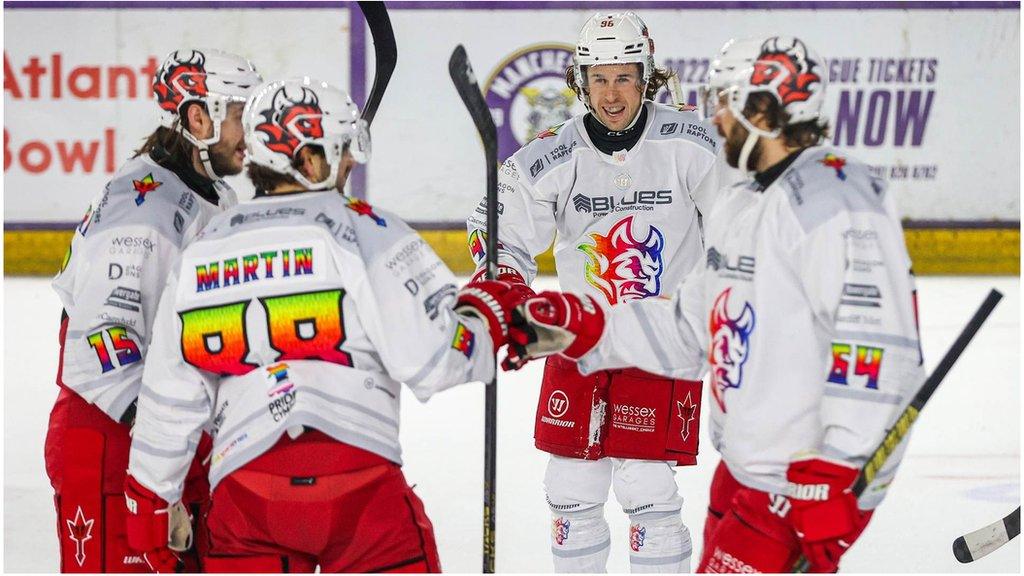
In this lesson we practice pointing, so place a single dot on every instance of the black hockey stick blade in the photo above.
(385, 53)
(906, 419)
(979, 543)
(469, 91)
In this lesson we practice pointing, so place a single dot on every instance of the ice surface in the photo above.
(962, 470)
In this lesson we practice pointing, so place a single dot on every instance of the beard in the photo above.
(222, 158)
(734, 142)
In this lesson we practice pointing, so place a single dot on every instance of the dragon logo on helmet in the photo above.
(794, 61)
(180, 73)
(289, 118)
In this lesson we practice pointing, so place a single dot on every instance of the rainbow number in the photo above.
(307, 325)
(125, 349)
(840, 363)
(214, 339)
(867, 362)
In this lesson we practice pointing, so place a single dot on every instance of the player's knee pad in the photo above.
(574, 484)
(652, 417)
(643, 486)
(659, 542)
(571, 411)
(580, 540)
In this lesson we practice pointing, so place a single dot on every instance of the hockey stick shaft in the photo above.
(906, 419)
(385, 53)
(979, 543)
(466, 84)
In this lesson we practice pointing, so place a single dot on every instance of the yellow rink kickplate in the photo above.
(935, 251)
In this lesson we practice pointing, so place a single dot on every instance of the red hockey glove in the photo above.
(825, 514)
(148, 527)
(553, 323)
(519, 291)
(491, 301)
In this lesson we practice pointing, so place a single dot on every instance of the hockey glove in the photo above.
(553, 323)
(491, 301)
(519, 292)
(155, 529)
(824, 514)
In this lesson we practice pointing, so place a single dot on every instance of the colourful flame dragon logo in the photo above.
(291, 120)
(178, 76)
(835, 162)
(791, 61)
(622, 267)
(730, 345)
(560, 530)
(637, 535)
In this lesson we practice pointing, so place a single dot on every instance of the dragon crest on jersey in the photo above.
(794, 62)
(182, 75)
(730, 345)
(622, 267)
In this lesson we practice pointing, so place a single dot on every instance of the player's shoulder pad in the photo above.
(682, 123)
(549, 149)
(824, 182)
(143, 193)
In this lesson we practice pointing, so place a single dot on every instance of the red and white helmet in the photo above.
(283, 116)
(210, 77)
(787, 70)
(619, 38)
(736, 55)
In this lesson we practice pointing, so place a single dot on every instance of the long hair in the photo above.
(178, 148)
(659, 79)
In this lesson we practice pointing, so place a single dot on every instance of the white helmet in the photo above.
(283, 116)
(786, 69)
(620, 38)
(736, 55)
(210, 77)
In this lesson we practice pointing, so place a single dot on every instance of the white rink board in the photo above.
(961, 471)
(946, 134)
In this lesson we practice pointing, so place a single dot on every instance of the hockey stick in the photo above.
(970, 547)
(385, 54)
(899, 430)
(466, 85)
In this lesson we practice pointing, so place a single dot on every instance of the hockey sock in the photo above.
(659, 543)
(580, 541)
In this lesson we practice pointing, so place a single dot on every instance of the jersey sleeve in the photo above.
(406, 303)
(119, 273)
(175, 402)
(857, 277)
(526, 224)
(659, 335)
(704, 171)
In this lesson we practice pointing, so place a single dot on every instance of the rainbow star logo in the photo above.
(143, 187)
(836, 162)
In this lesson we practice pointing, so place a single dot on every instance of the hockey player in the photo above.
(805, 310)
(110, 284)
(291, 323)
(621, 186)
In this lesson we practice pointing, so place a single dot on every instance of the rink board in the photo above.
(934, 250)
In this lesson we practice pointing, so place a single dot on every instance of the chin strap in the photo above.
(748, 147)
(204, 148)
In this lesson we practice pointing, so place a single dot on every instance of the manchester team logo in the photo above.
(80, 532)
(527, 94)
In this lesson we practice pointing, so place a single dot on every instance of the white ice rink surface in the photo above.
(962, 470)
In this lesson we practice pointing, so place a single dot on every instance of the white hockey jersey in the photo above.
(804, 310)
(112, 275)
(298, 310)
(627, 224)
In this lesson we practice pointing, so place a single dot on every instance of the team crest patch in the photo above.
(464, 340)
(527, 94)
(623, 267)
(730, 345)
(560, 530)
(80, 531)
(363, 209)
(835, 162)
(143, 187)
(637, 535)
